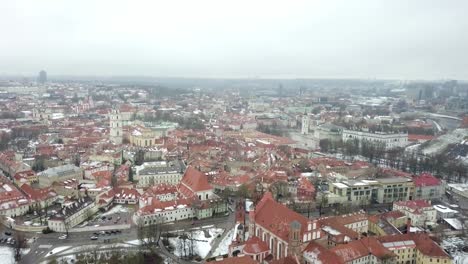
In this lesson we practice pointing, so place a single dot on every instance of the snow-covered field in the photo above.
(6, 255)
(443, 141)
(454, 246)
(201, 244)
(223, 247)
(460, 258)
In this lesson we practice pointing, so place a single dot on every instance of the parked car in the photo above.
(64, 236)
(94, 238)
(7, 233)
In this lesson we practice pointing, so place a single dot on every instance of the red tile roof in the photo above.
(236, 260)
(414, 137)
(286, 260)
(38, 194)
(414, 204)
(195, 180)
(255, 245)
(361, 248)
(426, 179)
(424, 243)
(276, 217)
(315, 251)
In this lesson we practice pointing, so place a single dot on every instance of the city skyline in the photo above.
(319, 39)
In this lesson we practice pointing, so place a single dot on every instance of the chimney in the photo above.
(408, 225)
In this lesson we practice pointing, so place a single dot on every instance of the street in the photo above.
(46, 242)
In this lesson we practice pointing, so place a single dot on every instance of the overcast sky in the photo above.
(398, 39)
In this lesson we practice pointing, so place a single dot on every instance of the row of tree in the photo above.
(439, 164)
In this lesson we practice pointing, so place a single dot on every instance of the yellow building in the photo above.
(144, 137)
(415, 248)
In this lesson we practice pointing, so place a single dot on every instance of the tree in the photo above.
(19, 245)
(130, 174)
(243, 191)
(139, 157)
(66, 225)
(324, 145)
(39, 164)
(323, 203)
(149, 232)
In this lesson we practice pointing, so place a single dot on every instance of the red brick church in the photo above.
(276, 232)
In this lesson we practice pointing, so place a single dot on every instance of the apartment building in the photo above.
(364, 192)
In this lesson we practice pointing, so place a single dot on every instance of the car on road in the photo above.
(64, 236)
(94, 238)
(7, 233)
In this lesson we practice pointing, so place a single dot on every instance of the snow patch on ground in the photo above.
(57, 250)
(460, 258)
(201, 244)
(116, 209)
(6, 255)
(440, 143)
(223, 247)
(135, 242)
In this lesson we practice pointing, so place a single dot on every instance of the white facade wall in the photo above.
(165, 216)
(390, 141)
(155, 179)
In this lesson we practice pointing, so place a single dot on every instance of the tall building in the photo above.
(115, 119)
(42, 78)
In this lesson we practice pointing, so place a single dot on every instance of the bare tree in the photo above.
(149, 232)
(66, 224)
(19, 245)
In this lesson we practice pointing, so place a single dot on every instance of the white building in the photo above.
(389, 140)
(420, 212)
(194, 198)
(72, 214)
(159, 172)
(444, 212)
(116, 134)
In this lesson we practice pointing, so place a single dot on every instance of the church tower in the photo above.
(115, 119)
(305, 124)
(294, 247)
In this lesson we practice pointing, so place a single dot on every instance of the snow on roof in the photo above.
(340, 185)
(331, 230)
(455, 223)
(444, 209)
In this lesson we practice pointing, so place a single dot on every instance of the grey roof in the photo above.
(60, 171)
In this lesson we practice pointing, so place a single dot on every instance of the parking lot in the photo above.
(117, 215)
(6, 239)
